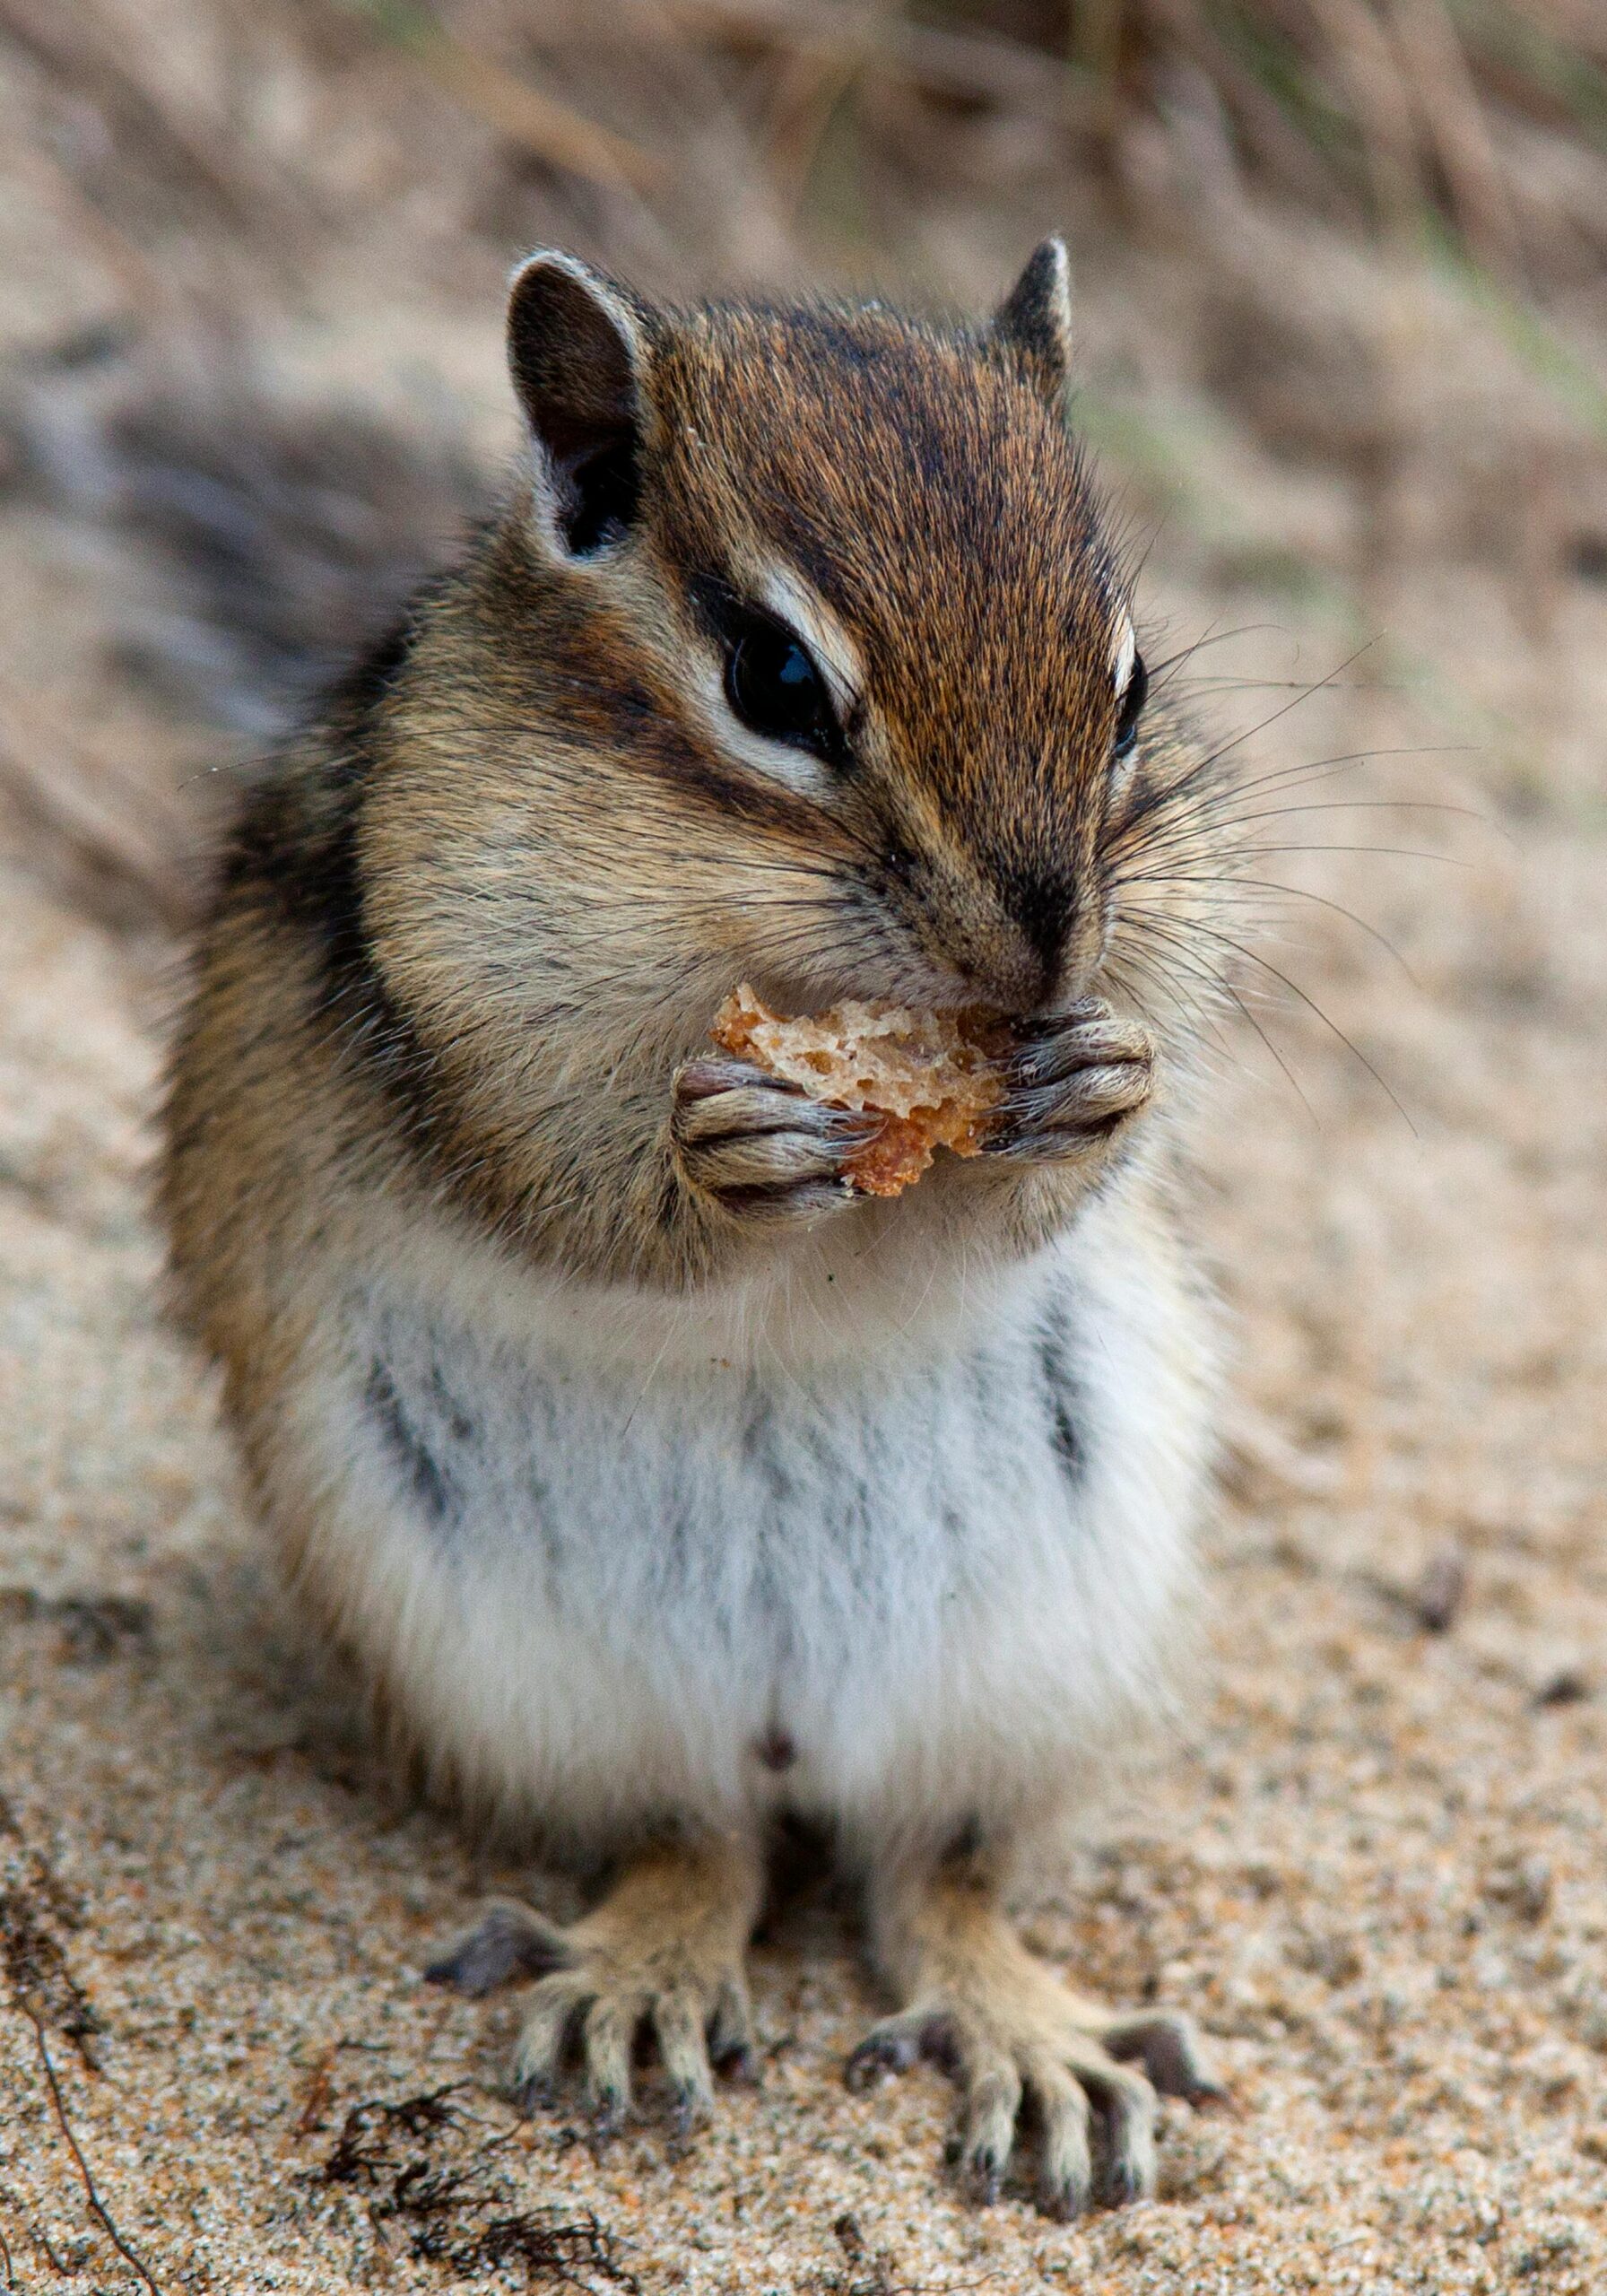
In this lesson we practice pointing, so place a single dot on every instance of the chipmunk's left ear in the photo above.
(1036, 316)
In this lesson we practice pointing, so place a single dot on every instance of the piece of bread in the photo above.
(930, 1077)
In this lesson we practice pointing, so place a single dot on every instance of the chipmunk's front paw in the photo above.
(758, 1147)
(1071, 1085)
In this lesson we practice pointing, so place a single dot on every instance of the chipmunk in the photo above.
(664, 1486)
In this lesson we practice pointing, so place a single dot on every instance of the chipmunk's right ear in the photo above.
(1036, 316)
(577, 348)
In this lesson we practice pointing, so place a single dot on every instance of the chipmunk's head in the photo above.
(843, 659)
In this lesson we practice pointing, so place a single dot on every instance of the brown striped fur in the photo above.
(447, 1036)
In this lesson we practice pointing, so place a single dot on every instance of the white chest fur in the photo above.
(895, 1587)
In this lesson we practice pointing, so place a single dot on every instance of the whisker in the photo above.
(1246, 785)
(1209, 795)
(1349, 805)
(1213, 637)
(1273, 718)
(1295, 989)
(1387, 852)
(1187, 846)
(1300, 893)
(1206, 817)
(1221, 986)
(1337, 685)
(1126, 984)
(1200, 800)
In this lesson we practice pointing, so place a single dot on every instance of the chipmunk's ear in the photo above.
(577, 346)
(1036, 316)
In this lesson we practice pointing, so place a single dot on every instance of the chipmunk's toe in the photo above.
(987, 2135)
(732, 2049)
(1045, 2078)
(1071, 1083)
(754, 1145)
(509, 1940)
(1166, 2045)
(893, 2045)
(596, 2013)
(1066, 2158)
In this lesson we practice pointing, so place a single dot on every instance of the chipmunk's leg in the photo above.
(1018, 2040)
(664, 1952)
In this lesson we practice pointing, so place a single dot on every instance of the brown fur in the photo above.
(475, 924)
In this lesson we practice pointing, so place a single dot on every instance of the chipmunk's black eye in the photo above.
(1137, 694)
(775, 688)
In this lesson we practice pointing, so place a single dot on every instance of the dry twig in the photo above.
(968, 65)
(526, 114)
(96, 2206)
(94, 64)
(1436, 73)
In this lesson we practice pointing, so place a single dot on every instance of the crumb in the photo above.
(929, 1076)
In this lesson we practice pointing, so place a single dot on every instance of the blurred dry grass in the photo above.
(1359, 243)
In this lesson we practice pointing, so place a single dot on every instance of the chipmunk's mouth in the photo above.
(959, 952)
(885, 975)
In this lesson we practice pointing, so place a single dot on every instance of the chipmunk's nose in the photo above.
(1010, 928)
(1041, 904)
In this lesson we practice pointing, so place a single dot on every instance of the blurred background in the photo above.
(1341, 276)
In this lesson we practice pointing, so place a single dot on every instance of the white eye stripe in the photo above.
(1126, 658)
(806, 613)
(793, 768)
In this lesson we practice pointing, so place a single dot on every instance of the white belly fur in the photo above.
(603, 1578)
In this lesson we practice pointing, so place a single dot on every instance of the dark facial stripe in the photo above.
(312, 872)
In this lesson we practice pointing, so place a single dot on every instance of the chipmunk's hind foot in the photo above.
(1047, 2075)
(1029, 2055)
(660, 1960)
